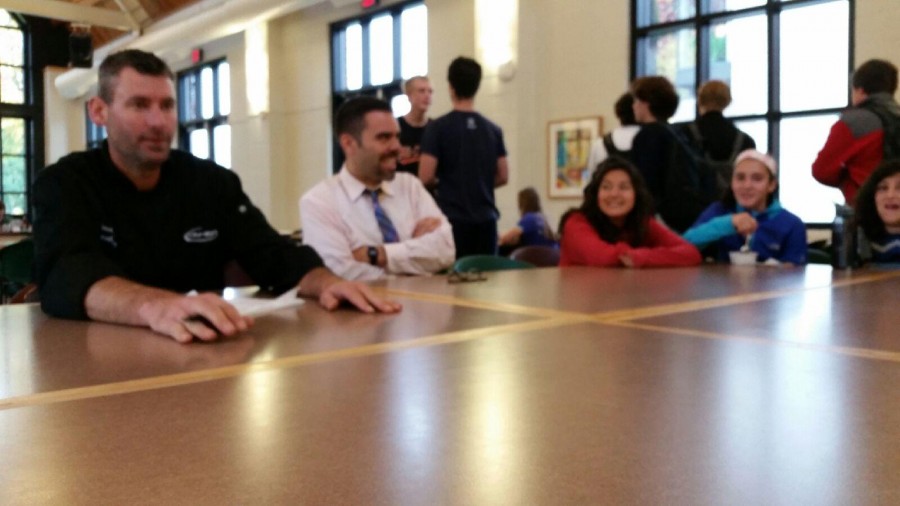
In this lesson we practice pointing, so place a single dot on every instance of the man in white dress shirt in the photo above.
(368, 221)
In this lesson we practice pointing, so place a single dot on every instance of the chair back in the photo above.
(539, 256)
(485, 263)
(16, 261)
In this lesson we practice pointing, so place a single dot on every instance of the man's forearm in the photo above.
(118, 300)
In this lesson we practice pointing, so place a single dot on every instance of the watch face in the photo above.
(373, 255)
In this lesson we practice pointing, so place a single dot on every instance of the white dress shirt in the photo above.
(337, 217)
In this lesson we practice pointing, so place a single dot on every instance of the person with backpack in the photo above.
(716, 138)
(865, 134)
(655, 101)
(750, 218)
(681, 184)
(619, 140)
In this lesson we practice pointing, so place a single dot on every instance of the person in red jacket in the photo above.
(614, 227)
(855, 144)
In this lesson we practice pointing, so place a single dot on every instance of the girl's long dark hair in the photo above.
(866, 211)
(635, 227)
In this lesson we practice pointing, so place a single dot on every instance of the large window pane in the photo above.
(200, 143)
(222, 143)
(801, 140)
(224, 74)
(16, 203)
(13, 136)
(206, 93)
(651, 12)
(381, 49)
(672, 54)
(13, 174)
(353, 56)
(814, 56)
(189, 99)
(414, 41)
(12, 47)
(732, 5)
(758, 130)
(7, 20)
(738, 55)
(12, 85)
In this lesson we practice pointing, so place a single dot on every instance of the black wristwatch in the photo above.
(373, 255)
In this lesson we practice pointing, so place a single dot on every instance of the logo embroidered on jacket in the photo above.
(197, 235)
(108, 235)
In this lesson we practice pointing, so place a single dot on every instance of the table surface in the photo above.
(7, 238)
(709, 385)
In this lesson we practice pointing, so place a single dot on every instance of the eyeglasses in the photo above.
(465, 276)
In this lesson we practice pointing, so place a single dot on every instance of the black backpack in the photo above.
(890, 122)
(722, 168)
(612, 150)
(689, 184)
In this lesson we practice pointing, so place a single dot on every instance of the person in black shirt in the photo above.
(121, 232)
(712, 133)
(412, 125)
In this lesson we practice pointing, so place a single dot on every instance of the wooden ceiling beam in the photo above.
(65, 11)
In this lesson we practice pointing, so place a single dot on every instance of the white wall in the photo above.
(64, 129)
(573, 60)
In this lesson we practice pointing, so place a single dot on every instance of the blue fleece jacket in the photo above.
(781, 235)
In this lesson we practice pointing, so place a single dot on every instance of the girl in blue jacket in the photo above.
(750, 214)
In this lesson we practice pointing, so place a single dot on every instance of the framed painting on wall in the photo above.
(568, 145)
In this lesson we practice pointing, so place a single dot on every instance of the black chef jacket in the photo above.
(91, 222)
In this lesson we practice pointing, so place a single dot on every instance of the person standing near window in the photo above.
(715, 136)
(856, 143)
(412, 124)
(464, 155)
(618, 142)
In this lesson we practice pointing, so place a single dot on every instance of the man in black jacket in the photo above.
(123, 231)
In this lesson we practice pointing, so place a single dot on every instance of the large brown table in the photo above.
(711, 385)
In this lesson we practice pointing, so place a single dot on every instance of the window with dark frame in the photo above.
(787, 62)
(94, 133)
(373, 54)
(204, 103)
(16, 115)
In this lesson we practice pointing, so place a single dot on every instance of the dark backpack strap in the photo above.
(611, 149)
(890, 123)
(696, 135)
(738, 144)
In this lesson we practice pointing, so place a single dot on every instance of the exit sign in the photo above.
(368, 4)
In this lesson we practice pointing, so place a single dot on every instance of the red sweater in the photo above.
(853, 150)
(581, 245)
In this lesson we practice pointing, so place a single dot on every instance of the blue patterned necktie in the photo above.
(384, 223)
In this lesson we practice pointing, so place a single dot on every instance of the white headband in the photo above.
(762, 158)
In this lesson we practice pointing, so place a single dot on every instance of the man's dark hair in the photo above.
(143, 62)
(464, 75)
(351, 115)
(876, 76)
(659, 93)
(624, 111)
(866, 212)
(636, 223)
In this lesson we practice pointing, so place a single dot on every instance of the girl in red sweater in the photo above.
(614, 226)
